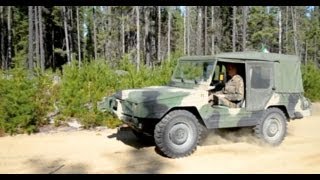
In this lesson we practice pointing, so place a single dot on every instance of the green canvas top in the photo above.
(259, 56)
(287, 73)
(247, 55)
(197, 58)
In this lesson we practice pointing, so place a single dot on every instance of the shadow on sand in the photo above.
(41, 166)
(125, 135)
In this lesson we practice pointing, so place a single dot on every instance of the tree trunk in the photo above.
(316, 49)
(234, 29)
(159, 34)
(306, 56)
(109, 28)
(184, 34)
(30, 46)
(2, 39)
(287, 18)
(78, 37)
(213, 31)
(122, 34)
(146, 36)
(94, 32)
(138, 37)
(66, 33)
(41, 40)
(105, 29)
(244, 28)
(169, 33)
(8, 63)
(37, 35)
(53, 64)
(205, 31)
(106, 38)
(188, 30)
(130, 40)
(294, 25)
(280, 32)
(199, 32)
(71, 33)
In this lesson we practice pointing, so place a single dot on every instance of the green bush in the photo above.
(311, 82)
(27, 99)
(17, 105)
(46, 95)
(82, 88)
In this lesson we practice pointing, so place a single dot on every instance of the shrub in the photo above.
(82, 88)
(311, 82)
(27, 99)
(17, 106)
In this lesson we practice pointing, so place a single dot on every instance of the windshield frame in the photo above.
(191, 83)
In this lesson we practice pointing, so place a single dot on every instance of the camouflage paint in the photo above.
(134, 105)
(293, 102)
(224, 117)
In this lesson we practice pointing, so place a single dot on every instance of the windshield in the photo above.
(193, 71)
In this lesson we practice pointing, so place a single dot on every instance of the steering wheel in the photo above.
(218, 85)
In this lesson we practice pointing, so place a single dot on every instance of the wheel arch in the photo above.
(283, 108)
(191, 109)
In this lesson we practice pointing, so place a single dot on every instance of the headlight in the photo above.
(135, 107)
(306, 103)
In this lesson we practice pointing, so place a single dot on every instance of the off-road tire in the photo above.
(272, 127)
(204, 132)
(177, 134)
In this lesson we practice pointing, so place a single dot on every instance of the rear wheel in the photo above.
(272, 127)
(177, 134)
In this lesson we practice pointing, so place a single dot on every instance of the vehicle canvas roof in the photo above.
(287, 72)
(248, 55)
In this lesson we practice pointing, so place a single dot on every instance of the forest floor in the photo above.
(118, 151)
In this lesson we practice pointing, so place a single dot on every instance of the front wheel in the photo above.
(272, 127)
(177, 134)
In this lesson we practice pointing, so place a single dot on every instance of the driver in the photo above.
(233, 90)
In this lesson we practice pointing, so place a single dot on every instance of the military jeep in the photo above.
(178, 115)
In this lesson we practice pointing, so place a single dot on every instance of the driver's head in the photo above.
(231, 69)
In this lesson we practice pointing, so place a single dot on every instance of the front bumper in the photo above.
(115, 106)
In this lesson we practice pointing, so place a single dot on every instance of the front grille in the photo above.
(126, 107)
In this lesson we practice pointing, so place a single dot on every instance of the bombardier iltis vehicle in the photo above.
(179, 114)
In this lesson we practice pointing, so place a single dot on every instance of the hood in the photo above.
(152, 93)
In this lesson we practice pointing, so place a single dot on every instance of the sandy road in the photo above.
(109, 151)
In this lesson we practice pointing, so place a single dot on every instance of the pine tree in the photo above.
(30, 46)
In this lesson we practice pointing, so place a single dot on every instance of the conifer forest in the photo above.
(57, 62)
